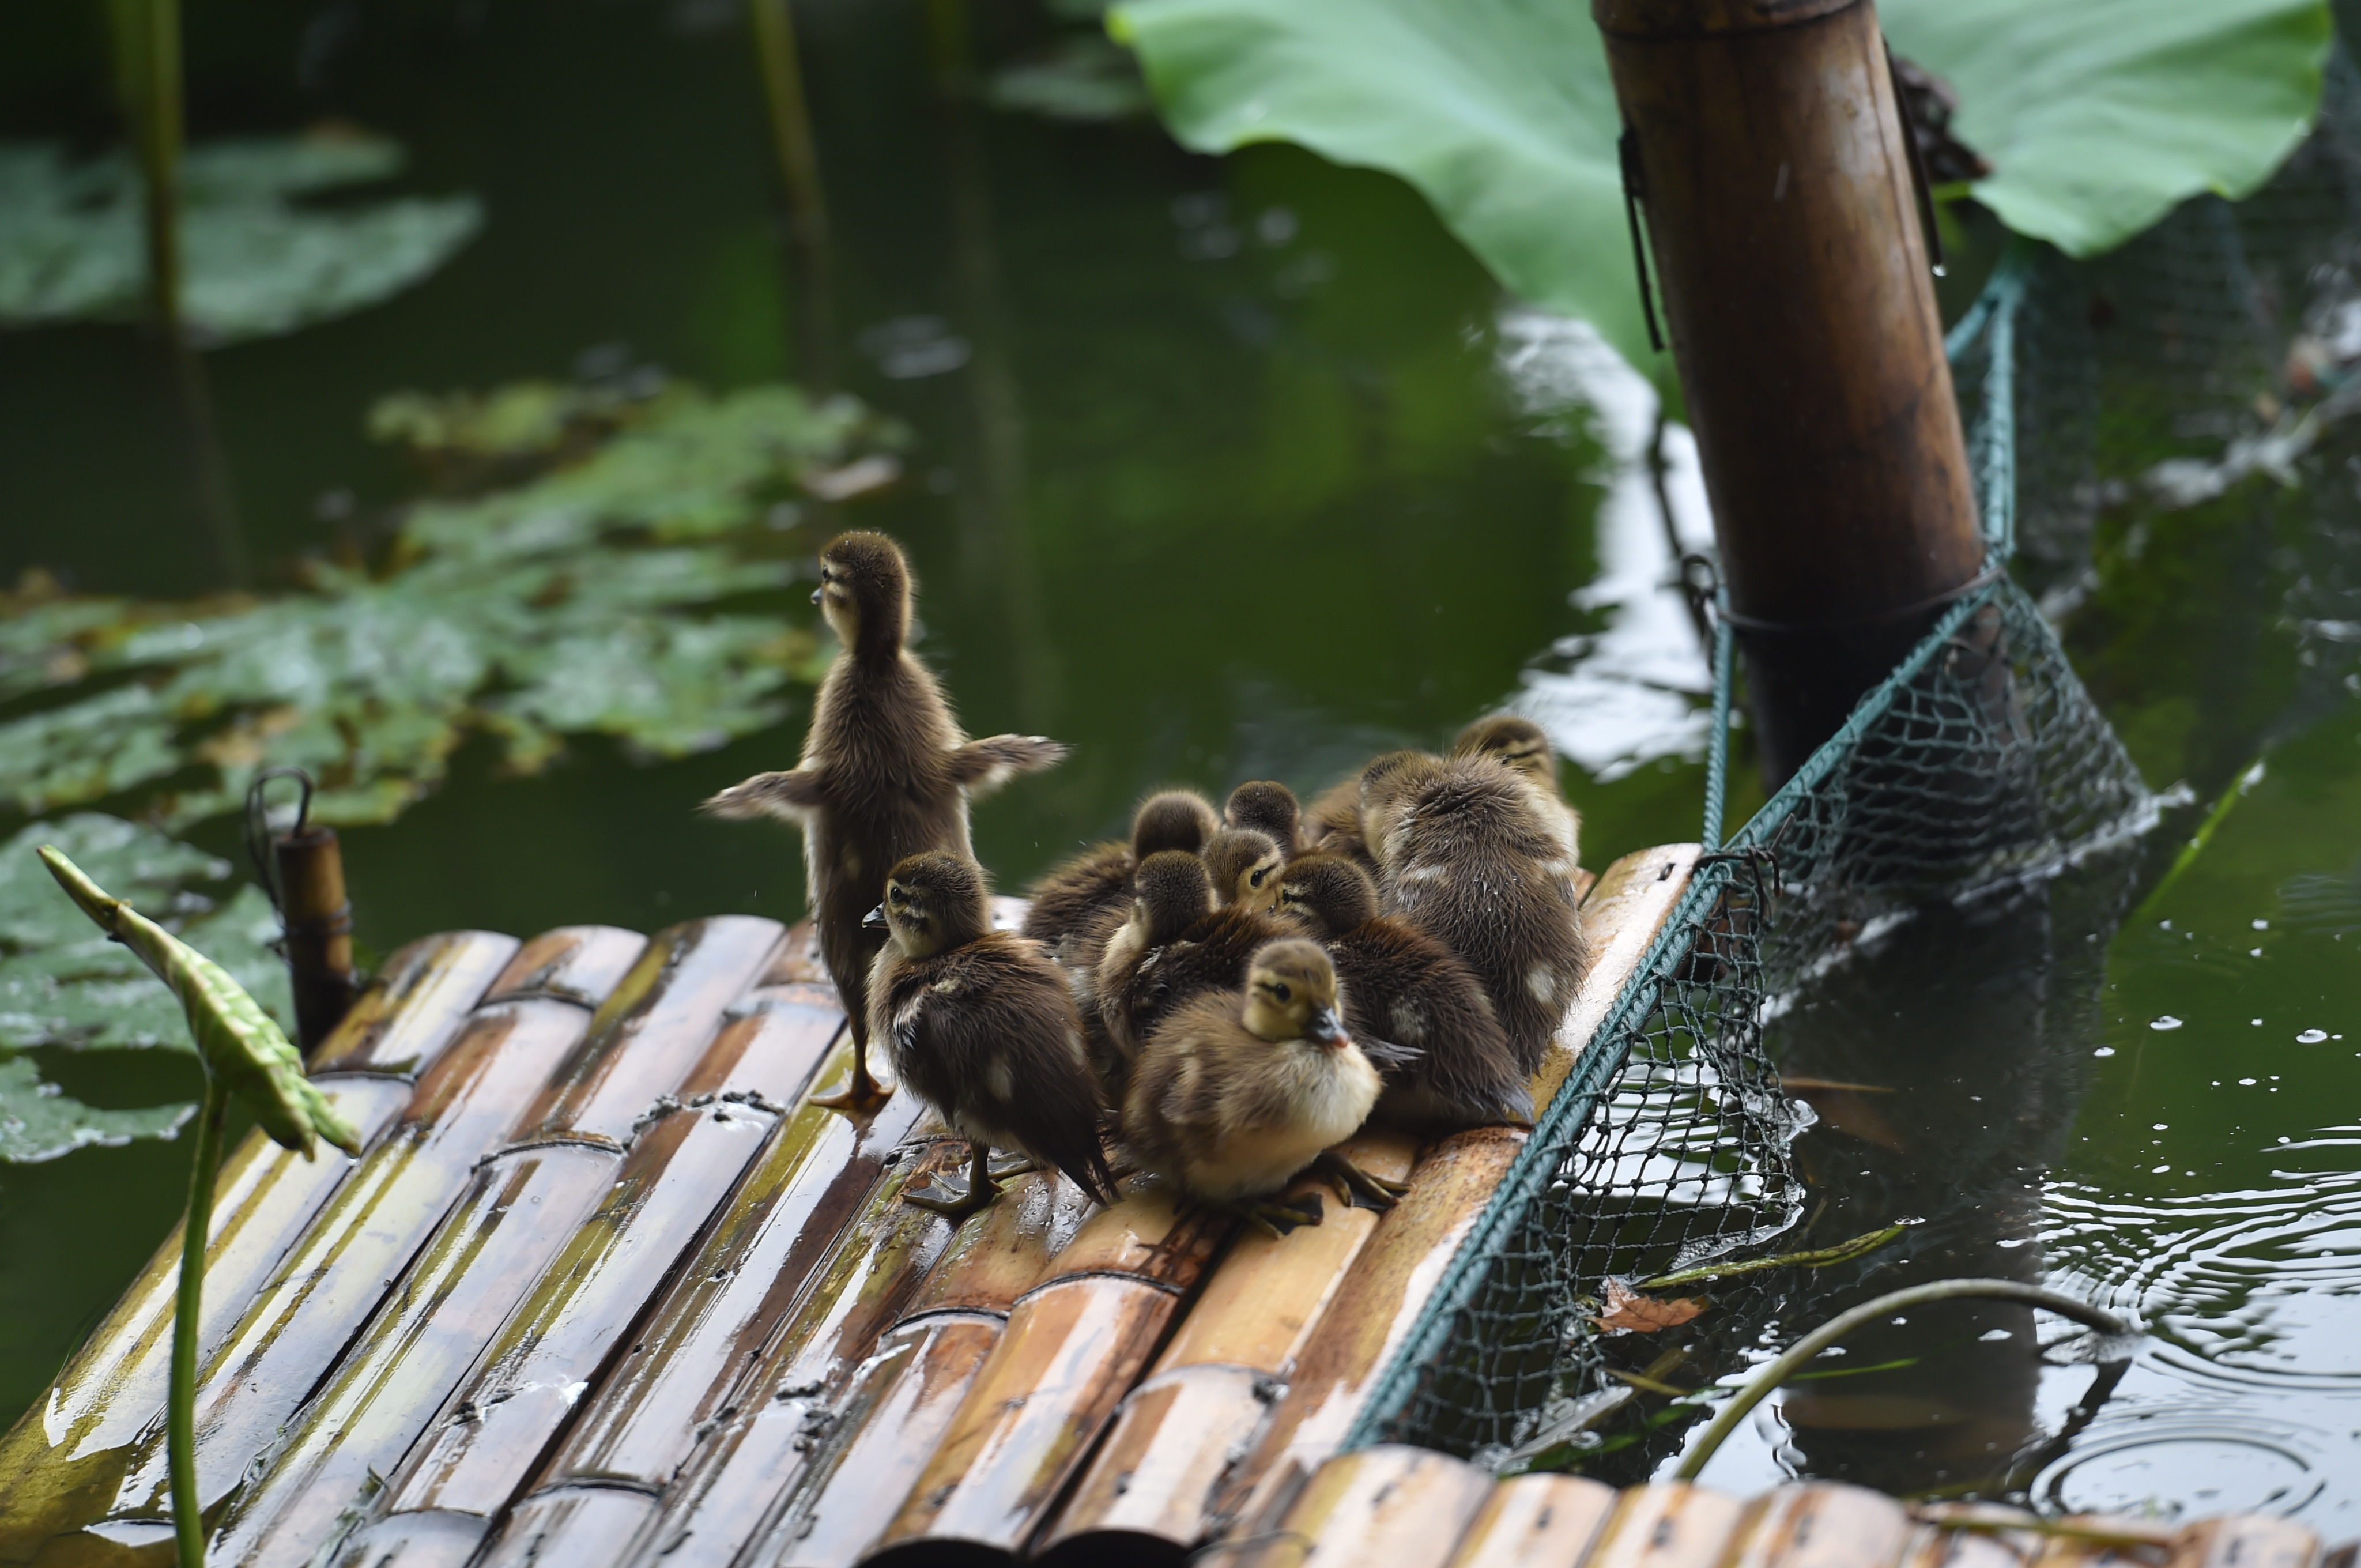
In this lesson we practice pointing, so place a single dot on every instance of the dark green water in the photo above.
(1241, 468)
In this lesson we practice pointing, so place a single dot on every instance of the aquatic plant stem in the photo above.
(1793, 1359)
(780, 61)
(181, 1410)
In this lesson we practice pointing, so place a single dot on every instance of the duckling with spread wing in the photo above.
(1236, 1092)
(983, 1029)
(1402, 987)
(1470, 855)
(885, 774)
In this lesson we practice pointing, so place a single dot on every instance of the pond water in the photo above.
(1239, 468)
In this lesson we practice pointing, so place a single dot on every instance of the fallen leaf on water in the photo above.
(1628, 1310)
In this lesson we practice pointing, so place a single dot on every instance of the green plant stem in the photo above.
(2249, 777)
(1843, 1252)
(1797, 1355)
(181, 1411)
(775, 53)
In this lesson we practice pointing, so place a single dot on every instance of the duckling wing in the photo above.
(1005, 1023)
(793, 796)
(981, 766)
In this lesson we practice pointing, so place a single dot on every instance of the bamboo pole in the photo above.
(893, 1412)
(1667, 1525)
(1075, 1345)
(2247, 1541)
(318, 920)
(563, 1341)
(1771, 167)
(1820, 1525)
(570, 1168)
(1535, 1522)
(60, 1464)
(1150, 1492)
(1403, 1507)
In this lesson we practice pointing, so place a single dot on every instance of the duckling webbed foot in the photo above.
(1275, 1219)
(955, 1198)
(1356, 1186)
(864, 1096)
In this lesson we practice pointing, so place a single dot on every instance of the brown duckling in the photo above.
(1243, 863)
(983, 1029)
(1470, 855)
(1333, 825)
(1403, 987)
(1524, 746)
(1238, 1092)
(1076, 906)
(1268, 806)
(1169, 893)
(1175, 945)
(885, 774)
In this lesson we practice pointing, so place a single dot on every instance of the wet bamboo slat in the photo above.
(807, 1198)
(515, 1221)
(1669, 1524)
(2247, 1540)
(1150, 1491)
(1073, 1346)
(359, 1242)
(1392, 1504)
(113, 1386)
(1398, 1270)
(683, 1164)
(878, 1432)
(1820, 1525)
(732, 1485)
(1535, 1522)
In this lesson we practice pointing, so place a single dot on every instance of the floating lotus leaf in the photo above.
(242, 1047)
(38, 1121)
(255, 263)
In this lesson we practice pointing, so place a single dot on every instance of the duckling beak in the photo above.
(875, 920)
(818, 594)
(1328, 1029)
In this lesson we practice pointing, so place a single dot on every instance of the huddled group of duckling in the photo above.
(1231, 993)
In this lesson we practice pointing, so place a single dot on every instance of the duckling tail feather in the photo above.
(981, 766)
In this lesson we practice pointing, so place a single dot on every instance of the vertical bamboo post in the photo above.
(1768, 159)
(319, 924)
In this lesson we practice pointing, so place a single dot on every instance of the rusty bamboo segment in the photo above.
(1371, 1315)
(674, 1388)
(333, 1278)
(1626, 908)
(1670, 1524)
(1403, 1507)
(2247, 1540)
(581, 964)
(879, 1431)
(1536, 1521)
(733, 1486)
(1179, 1432)
(1820, 1525)
(319, 931)
(1074, 1346)
(60, 1465)
(493, 1433)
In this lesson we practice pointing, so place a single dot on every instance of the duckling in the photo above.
(1236, 1092)
(1470, 856)
(1175, 945)
(1245, 865)
(983, 1029)
(1332, 823)
(1268, 806)
(1524, 746)
(1076, 905)
(885, 774)
(1403, 987)
(1169, 893)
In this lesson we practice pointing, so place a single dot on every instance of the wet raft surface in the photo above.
(603, 1289)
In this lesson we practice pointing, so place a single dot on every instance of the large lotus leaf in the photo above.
(2097, 115)
(65, 984)
(38, 1121)
(535, 611)
(254, 264)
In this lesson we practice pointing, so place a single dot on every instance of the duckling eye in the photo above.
(1255, 878)
(1283, 994)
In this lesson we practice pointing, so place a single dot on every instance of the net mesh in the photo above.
(1980, 766)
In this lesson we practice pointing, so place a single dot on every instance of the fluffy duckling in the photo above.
(1235, 1093)
(1175, 945)
(1170, 892)
(1403, 987)
(1268, 806)
(1077, 905)
(885, 774)
(1470, 855)
(1243, 863)
(983, 1029)
(1524, 746)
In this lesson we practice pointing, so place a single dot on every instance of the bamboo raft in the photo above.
(603, 1289)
